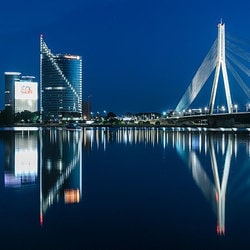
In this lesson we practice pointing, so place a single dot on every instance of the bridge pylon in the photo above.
(221, 65)
(214, 60)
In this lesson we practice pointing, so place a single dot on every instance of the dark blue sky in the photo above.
(138, 55)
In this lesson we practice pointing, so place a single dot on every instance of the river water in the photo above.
(124, 188)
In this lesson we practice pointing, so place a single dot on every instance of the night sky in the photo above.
(138, 55)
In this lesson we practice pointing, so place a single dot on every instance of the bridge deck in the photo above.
(239, 119)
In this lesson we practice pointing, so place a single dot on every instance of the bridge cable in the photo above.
(198, 81)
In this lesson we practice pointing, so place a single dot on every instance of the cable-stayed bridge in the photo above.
(220, 59)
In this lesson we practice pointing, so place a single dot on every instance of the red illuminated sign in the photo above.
(26, 90)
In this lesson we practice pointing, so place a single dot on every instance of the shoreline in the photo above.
(185, 128)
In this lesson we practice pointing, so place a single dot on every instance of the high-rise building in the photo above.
(10, 78)
(21, 92)
(26, 94)
(60, 85)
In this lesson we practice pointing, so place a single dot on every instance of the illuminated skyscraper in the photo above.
(60, 85)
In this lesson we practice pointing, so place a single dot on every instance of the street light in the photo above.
(206, 110)
(236, 108)
(247, 107)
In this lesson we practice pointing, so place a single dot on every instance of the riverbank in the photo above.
(184, 128)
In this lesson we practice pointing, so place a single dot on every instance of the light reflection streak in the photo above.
(21, 156)
(66, 150)
(190, 145)
(221, 186)
(213, 192)
(221, 146)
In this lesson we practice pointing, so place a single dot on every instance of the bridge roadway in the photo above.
(239, 120)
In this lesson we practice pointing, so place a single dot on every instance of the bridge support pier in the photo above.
(221, 65)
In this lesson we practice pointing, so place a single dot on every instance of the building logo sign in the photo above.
(26, 91)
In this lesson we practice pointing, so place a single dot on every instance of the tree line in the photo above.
(8, 117)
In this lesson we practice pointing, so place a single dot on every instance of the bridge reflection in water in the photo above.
(214, 190)
(207, 154)
(55, 160)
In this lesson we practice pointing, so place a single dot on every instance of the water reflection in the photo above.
(55, 156)
(99, 138)
(21, 159)
(61, 167)
(52, 159)
(214, 190)
(207, 154)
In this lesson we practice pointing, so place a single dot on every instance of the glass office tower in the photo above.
(60, 85)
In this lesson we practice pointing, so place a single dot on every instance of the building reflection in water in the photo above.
(21, 158)
(60, 168)
(55, 156)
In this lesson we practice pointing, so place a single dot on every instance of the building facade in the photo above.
(26, 94)
(10, 78)
(21, 92)
(60, 85)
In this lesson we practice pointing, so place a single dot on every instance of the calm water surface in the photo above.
(124, 189)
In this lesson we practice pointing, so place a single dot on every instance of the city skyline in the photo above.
(134, 53)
